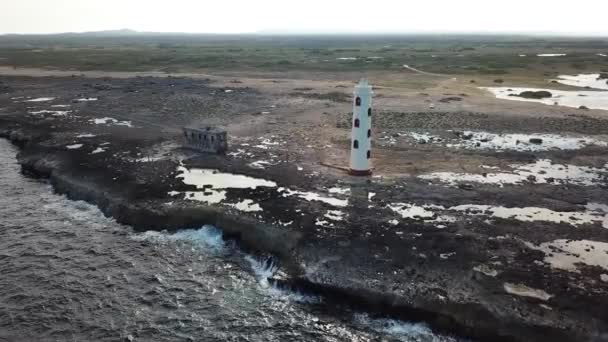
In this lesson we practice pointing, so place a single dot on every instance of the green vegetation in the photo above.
(474, 55)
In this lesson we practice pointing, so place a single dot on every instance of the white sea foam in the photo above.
(400, 330)
(207, 236)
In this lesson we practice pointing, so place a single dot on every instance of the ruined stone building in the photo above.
(206, 139)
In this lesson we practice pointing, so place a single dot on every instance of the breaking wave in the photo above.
(400, 330)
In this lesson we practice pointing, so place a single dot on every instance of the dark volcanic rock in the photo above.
(4, 88)
(450, 99)
(537, 141)
(529, 94)
(603, 76)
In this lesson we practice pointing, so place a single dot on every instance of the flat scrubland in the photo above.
(462, 55)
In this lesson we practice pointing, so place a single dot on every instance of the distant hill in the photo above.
(106, 33)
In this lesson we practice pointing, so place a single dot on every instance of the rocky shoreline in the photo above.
(463, 320)
(397, 246)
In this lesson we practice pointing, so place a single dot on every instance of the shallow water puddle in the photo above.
(213, 184)
(339, 191)
(260, 164)
(313, 196)
(52, 112)
(453, 178)
(594, 213)
(220, 180)
(147, 159)
(412, 211)
(502, 142)
(98, 150)
(566, 254)
(246, 205)
(86, 135)
(426, 213)
(40, 99)
(323, 223)
(531, 214)
(584, 80)
(540, 172)
(567, 98)
(335, 215)
(74, 147)
(110, 121)
(525, 291)
(523, 142)
(208, 196)
(551, 54)
(424, 138)
(239, 152)
(87, 99)
(268, 143)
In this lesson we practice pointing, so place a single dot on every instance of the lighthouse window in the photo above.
(369, 133)
(358, 101)
(356, 144)
(369, 154)
(369, 112)
(357, 122)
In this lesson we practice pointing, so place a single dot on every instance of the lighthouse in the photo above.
(361, 137)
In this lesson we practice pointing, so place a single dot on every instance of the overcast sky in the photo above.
(313, 16)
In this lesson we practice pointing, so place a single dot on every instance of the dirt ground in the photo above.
(445, 247)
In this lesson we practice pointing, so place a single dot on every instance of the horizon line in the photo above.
(127, 32)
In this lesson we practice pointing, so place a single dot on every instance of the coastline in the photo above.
(414, 270)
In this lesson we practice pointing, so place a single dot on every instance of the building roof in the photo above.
(206, 129)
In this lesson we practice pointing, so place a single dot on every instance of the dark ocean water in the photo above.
(67, 273)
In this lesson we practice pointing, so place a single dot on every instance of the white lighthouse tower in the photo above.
(361, 138)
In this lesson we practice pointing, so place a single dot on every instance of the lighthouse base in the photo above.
(359, 172)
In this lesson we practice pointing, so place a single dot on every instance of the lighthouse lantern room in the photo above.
(361, 139)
